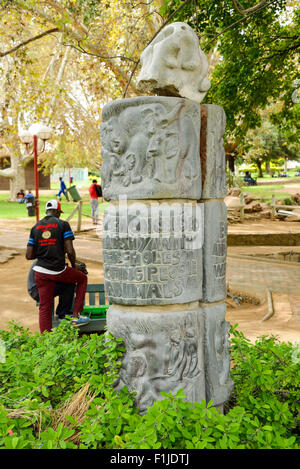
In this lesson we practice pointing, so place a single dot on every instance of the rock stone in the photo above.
(214, 251)
(164, 352)
(152, 254)
(234, 192)
(250, 199)
(212, 152)
(219, 385)
(296, 198)
(174, 65)
(150, 148)
(253, 208)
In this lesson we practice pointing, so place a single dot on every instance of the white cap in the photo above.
(53, 205)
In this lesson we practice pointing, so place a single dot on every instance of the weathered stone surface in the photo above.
(219, 385)
(213, 122)
(150, 148)
(174, 65)
(214, 251)
(152, 254)
(164, 352)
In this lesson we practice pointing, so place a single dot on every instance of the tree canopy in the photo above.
(257, 45)
(62, 60)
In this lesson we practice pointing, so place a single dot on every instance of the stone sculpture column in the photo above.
(164, 232)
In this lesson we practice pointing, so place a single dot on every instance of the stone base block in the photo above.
(164, 352)
(171, 349)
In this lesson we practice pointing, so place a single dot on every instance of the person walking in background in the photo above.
(62, 190)
(49, 240)
(95, 192)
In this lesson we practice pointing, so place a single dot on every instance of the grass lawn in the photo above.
(13, 210)
(266, 192)
(266, 176)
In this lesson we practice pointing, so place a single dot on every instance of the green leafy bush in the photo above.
(288, 201)
(41, 373)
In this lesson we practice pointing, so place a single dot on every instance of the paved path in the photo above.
(280, 277)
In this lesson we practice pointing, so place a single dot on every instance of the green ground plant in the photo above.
(41, 374)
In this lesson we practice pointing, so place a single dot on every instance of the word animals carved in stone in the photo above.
(153, 257)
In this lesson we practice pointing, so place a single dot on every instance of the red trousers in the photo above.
(46, 287)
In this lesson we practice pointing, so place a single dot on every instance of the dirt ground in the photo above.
(17, 305)
(285, 323)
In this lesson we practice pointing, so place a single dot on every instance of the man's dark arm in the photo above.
(69, 249)
(30, 254)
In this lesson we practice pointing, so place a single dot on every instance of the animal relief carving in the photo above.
(160, 357)
(150, 148)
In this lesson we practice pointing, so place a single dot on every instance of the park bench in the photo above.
(95, 309)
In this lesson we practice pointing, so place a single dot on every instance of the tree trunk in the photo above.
(260, 173)
(15, 173)
(18, 181)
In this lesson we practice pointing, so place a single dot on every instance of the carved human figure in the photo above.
(222, 350)
(134, 158)
(171, 144)
(182, 353)
(160, 130)
(174, 65)
(114, 143)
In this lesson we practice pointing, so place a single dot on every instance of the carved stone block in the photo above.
(219, 385)
(213, 120)
(174, 65)
(152, 254)
(214, 251)
(164, 352)
(150, 148)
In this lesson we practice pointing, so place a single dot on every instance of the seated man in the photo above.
(48, 242)
(29, 195)
(20, 197)
(65, 292)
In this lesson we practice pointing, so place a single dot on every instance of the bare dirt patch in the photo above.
(285, 323)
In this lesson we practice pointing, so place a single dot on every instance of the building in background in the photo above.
(78, 174)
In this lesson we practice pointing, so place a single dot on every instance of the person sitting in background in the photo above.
(29, 195)
(20, 197)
